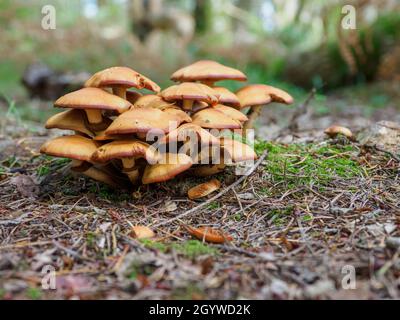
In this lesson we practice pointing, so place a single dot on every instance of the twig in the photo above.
(393, 155)
(233, 185)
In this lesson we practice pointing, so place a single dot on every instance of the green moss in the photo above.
(187, 293)
(213, 206)
(34, 293)
(190, 249)
(308, 164)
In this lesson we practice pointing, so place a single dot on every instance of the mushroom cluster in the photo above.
(122, 135)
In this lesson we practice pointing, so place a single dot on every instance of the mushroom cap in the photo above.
(73, 119)
(260, 94)
(175, 164)
(207, 70)
(92, 98)
(231, 112)
(142, 120)
(190, 91)
(237, 151)
(213, 119)
(125, 149)
(121, 77)
(152, 101)
(186, 130)
(227, 97)
(181, 115)
(334, 130)
(72, 147)
(204, 189)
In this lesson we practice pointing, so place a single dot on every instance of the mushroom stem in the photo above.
(128, 163)
(252, 115)
(133, 175)
(120, 92)
(94, 116)
(187, 105)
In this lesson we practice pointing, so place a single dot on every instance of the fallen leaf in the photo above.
(170, 206)
(25, 185)
(142, 232)
(204, 189)
(208, 234)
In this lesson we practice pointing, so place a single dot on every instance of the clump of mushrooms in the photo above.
(120, 133)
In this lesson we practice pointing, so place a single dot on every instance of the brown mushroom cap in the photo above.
(260, 94)
(121, 77)
(207, 70)
(175, 164)
(124, 149)
(152, 101)
(227, 97)
(185, 130)
(204, 189)
(177, 113)
(334, 130)
(231, 112)
(72, 147)
(73, 119)
(142, 120)
(214, 119)
(92, 98)
(190, 91)
(238, 151)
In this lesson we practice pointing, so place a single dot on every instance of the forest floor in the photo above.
(318, 219)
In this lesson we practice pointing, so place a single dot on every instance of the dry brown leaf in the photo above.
(208, 234)
(204, 189)
(142, 232)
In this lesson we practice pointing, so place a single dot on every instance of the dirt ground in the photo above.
(296, 234)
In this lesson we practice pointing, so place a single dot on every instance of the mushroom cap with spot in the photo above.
(73, 119)
(121, 77)
(237, 151)
(227, 97)
(125, 149)
(93, 98)
(142, 120)
(72, 147)
(231, 112)
(186, 130)
(261, 94)
(207, 70)
(152, 101)
(214, 119)
(174, 165)
(190, 91)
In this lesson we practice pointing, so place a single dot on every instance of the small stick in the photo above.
(233, 185)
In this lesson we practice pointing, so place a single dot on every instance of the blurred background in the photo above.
(296, 45)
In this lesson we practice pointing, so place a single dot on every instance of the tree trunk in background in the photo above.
(203, 15)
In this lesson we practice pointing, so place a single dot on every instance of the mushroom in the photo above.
(189, 92)
(133, 96)
(185, 131)
(257, 95)
(80, 150)
(120, 79)
(237, 151)
(231, 112)
(128, 151)
(215, 166)
(227, 97)
(172, 165)
(73, 119)
(213, 119)
(208, 72)
(204, 189)
(141, 120)
(152, 101)
(334, 130)
(93, 101)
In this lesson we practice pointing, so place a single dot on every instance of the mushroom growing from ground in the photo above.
(80, 150)
(166, 169)
(120, 79)
(189, 92)
(207, 72)
(257, 95)
(227, 97)
(333, 131)
(128, 151)
(93, 101)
